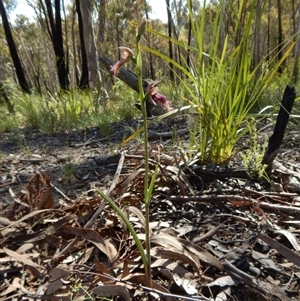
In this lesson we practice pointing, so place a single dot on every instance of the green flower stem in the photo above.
(147, 194)
(131, 230)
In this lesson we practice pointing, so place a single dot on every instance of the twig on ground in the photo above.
(112, 187)
(243, 201)
(210, 233)
(60, 192)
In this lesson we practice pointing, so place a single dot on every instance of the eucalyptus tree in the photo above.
(13, 50)
(94, 77)
(84, 78)
(53, 23)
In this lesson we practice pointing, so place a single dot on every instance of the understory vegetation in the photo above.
(216, 65)
(79, 110)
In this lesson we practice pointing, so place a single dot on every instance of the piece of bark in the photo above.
(279, 129)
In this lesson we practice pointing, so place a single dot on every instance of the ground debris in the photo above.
(219, 237)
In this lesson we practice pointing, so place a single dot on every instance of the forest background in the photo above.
(59, 47)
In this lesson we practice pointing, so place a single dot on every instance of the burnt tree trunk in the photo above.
(84, 80)
(279, 129)
(94, 76)
(55, 33)
(13, 50)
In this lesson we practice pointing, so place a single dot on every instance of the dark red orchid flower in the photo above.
(157, 98)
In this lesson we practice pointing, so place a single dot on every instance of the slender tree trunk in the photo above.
(170, 36)
(102, 21)
(177, 48)
(257, 37)
(89, 43)
(297, 50)
(280, 34)
(13, 50)
(84, 79)
(152, 73)
(76, 72)
(57, 41)
(189, 32)
(223, 26)
(66, 36)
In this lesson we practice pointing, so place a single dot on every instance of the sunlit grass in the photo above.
(69, 110)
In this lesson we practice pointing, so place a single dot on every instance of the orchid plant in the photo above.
(159, 100)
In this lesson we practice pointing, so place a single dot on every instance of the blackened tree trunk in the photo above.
(84, 80)
(55, 32)
(283, 116)
(13, 50)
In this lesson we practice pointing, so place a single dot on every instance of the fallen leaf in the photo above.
(22, 258)
(56, 282)
(291, 237)
(169, 254)
(189, 285)
(141, 279)
(112, 290)
(283, 250)
(264, 260)
(224, 281)
(183, 245)
(103, 244)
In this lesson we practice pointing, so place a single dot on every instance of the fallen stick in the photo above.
(124, 75)
(239, 201)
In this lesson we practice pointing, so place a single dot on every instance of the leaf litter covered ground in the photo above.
(215, 235)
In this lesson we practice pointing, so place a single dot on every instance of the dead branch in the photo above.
(125, 75)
